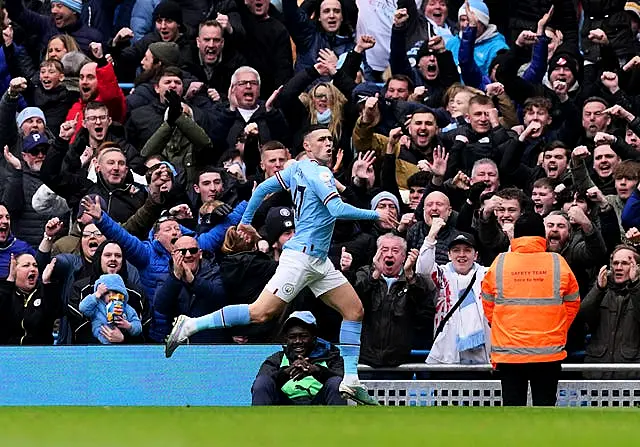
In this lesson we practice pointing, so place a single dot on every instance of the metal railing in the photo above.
(488, 392)
(567, 367)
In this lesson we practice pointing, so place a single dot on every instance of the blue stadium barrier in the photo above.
(130, 375)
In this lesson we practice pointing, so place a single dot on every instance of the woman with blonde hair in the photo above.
(59, 45)
(308, 99)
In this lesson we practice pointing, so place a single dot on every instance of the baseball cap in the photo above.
(278, 220)
(300, 316)
(31, 141)
(465, 239)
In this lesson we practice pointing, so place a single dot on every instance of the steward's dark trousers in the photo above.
(265, 392)
(515, 378)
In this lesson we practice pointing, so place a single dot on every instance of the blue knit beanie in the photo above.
(74, 5)
(479, 8)
(30, 112)
(113, 282)
(384, 195)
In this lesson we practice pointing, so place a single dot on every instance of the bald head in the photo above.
(436, 204)
(186, 242)
(186, 247)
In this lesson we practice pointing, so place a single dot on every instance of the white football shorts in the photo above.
(297, 270)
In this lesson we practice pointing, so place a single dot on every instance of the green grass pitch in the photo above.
(321, 427)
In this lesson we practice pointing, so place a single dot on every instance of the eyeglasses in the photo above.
(246, 83)
(322, 96)
(93, 119)
(184, 251)
(91, 234)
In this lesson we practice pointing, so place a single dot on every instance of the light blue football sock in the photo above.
(350, 348)
(228, 316)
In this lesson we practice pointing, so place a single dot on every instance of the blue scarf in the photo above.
(324, 117)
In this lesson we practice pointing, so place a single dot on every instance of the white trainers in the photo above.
(176, 337)
(357, 393)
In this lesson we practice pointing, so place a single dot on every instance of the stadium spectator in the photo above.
(612, 312)
(308, 371)
(10, 246)
(460, 330)
(108, 259)
(98, 82)
(193, 287)
(64, 19)
(278, 228)
(23, 181)
(29, 306)
(210, 62)
(109, 311)
(398, 304)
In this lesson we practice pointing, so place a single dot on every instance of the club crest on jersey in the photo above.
(325, 176)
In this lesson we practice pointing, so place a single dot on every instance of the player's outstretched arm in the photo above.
(340, 210)
(269, 186)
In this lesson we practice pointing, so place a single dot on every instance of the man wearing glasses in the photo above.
(193, 287)
(98, 127)
(246, 107)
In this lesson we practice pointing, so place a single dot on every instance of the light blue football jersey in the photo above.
(312, 186)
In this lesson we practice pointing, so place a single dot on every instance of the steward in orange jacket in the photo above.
(530, 298)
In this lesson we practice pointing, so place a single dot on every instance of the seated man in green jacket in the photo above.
(308, 371)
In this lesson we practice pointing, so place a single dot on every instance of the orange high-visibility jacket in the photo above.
(530, 298)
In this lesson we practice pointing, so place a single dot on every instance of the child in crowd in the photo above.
(108, 309)
(51, 96)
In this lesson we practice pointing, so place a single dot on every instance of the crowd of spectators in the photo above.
(134, 132)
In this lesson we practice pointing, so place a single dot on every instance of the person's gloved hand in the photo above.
(217, 215)
(476, 191)
(222, 210)
(175, 107)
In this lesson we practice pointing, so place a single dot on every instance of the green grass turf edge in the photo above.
(317, 426)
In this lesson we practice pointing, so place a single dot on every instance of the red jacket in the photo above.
(109, 93)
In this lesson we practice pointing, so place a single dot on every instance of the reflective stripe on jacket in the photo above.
(530, 298)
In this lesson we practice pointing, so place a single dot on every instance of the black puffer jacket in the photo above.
(610, 17)
(613, 317)
(20, 187)
(27, 318)
(524, 15)
(55, 104)
(392, 315)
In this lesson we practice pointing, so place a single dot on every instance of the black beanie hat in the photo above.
(567, 60)
(169, 10)
(424, 51)
(529, 224)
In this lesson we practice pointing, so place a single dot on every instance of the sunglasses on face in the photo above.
(184, 251)
(38, 150)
